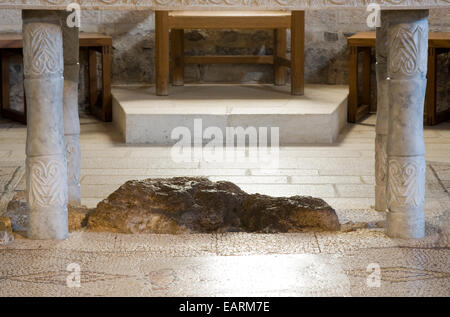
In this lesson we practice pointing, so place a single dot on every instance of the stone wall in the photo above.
(133, 40)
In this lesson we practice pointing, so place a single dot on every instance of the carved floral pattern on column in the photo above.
(407, 45)
(405, 185)
(42, 40)
(46, 187)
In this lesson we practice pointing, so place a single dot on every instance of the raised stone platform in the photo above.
(316, 117)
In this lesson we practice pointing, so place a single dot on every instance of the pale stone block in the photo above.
(350, 191)
(324, 191)
(284, 171)
(321, 113)
(325, 180)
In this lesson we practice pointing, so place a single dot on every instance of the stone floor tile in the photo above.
(252, 179)
(353, 203)
(340, 242)
(360, 215)
(95, 191)
(280, 190)
(138, 275)
(353, 190)
(325, 180)
(253, 243)
(402, 272)
(283, 171)
(91, 202)
(110, 179)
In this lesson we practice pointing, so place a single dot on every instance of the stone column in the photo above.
(406, 69)
(46, 171)
(382, 118)
(70, 109)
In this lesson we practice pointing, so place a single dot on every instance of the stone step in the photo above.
(315, 118)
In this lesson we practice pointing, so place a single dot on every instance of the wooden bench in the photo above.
(11, 44)
(363, 43)
(178, 21)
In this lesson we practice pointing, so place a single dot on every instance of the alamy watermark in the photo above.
(227, 144)
(374, 278)
(74, 277)
(373, 19)
(74, 18)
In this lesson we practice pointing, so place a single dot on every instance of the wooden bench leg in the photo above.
(162, 52)
(92, 79)
(279, 71)
(366, 77)
(106, 83)
(297, 52)
(353, 85)
(430, 98)
(5, 105)
(177, 40)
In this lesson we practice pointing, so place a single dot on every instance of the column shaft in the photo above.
(46, 176)
(70, 109)
(382, 118)
(406, 68)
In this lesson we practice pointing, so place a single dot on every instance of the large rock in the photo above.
(265, 213)
(182, 204)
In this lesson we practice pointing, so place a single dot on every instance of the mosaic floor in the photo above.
(355, 263)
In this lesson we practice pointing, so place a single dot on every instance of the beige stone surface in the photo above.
(321, 111)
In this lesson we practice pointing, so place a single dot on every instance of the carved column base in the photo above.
(406, 193)
(47, 197)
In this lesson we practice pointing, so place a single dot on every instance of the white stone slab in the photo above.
(317, 117)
